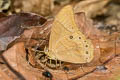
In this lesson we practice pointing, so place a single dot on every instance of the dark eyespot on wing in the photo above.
(71, 37)
(86, 52)
(86, 46)
(79, 37)
(86, 58)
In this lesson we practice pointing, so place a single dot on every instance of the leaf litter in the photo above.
(104, 30)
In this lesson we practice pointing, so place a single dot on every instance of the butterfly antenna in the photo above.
(45, 61)
(50, 61)
(45, 49)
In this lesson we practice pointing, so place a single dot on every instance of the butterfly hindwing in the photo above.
(67, 42)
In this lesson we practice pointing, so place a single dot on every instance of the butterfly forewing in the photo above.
(67, 43)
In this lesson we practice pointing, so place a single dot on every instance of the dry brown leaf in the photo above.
(62, 2)
(32, 73)
(26, 70)
(106, 54)
(19, 63)
(90, 7)
(11, 27)
(110, 73)
(36, 35)
(2, 15)
(42, 7)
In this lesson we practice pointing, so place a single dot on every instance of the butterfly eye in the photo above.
(71, 37)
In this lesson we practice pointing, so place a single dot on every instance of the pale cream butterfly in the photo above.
(67, 43)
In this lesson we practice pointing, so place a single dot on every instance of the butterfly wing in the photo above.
(63, 25)
(67, 43)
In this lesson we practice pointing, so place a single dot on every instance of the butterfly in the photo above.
(67, 43)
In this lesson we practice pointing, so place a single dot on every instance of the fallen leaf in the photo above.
(42, 7)
(11, 27)
(90, 7)
(106, 54)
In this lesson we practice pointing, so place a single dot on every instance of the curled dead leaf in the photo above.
(11, 27)
(42, 7)
(90, 7)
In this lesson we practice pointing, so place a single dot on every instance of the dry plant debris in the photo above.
(23, 35)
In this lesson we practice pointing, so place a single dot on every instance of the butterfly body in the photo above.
(67, 43)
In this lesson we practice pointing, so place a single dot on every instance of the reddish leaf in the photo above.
(11, 27)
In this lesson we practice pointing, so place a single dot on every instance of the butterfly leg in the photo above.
(56, 63)
(82, 68)
(45, 63)
(50, 62)
(60, 63)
